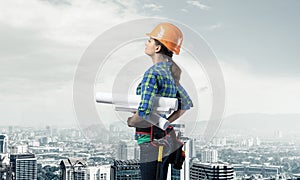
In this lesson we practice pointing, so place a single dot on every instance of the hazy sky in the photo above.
(257, 44)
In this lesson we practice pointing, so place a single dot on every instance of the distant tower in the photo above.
(257, 141)
(219, 141)
(10, 130)
(18, 149)
(209, 156)
(128, 149)
(24, 166)
(49, 131)
(3, 143)
(179, 129)
(278, 134)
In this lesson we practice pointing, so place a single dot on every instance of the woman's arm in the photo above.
(184, 104)
(137, 121)
(175, 115)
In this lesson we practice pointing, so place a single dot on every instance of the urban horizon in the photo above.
(279, 154)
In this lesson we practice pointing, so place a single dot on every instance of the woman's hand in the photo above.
(137, 121)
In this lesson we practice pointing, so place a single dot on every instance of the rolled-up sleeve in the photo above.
(147, 89)
(184, 99)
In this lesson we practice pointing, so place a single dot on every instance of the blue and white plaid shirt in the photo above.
(158, 80)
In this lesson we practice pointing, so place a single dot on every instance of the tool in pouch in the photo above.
(168, 145)
(160, 143)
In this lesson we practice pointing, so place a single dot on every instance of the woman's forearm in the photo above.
(175, 115)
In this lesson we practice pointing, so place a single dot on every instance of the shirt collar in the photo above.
(163, 64)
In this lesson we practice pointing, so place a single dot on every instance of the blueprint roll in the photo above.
(158, 121)
(130, 103)
(162, 105)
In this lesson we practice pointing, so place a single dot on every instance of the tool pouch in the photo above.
(173, 147)
(177, 158)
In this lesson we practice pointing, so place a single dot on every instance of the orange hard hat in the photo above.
(169, 35)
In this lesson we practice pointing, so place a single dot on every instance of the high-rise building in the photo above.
(179, 129)
(201, 170)
(18, 149)
(4, 166)
(217, 141)
(99, 172)
(73, 169)
(257, 141)
(189, 149)
(184, 173)
(4, 160)
(23, 166)
(265, 170)
(209, 155)
(119, 131)
(249, 142)
(48, 131)
(124, 170)
(278, 134)
(128, 149)
(3, 144)
(10, 130)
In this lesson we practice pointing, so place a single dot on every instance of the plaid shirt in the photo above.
(158, 80)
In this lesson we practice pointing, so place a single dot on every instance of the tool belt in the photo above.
(173, 147)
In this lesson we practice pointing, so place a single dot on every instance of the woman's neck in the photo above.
(156, 58)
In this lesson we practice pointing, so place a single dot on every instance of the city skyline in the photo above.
(56, 153)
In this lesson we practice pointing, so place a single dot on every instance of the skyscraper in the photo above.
(209, 155)
(24, 166)
(125, 170)
(128, 149)
(201, 170)
(179, 129)
(102, 172)
(4, 166)
(73, 168)
(18, 149)
(3, 143)
(4, 160)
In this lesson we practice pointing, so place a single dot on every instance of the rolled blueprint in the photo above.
(158, 121)
(162, 105)
(130, 103)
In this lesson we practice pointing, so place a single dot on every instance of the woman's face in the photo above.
(151, 47)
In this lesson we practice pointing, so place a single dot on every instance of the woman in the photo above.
(161, 79)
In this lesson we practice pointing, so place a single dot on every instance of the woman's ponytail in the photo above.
(175, 69)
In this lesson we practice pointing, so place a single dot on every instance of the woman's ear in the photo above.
(157, 49)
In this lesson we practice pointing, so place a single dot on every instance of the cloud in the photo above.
(153, 7)
(184, 10)
(214, 26)
(74, 24)
(198, 5)
(247, 92)
(42, 43)
(43, 40)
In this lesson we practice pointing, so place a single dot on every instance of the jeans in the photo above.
(149, 164)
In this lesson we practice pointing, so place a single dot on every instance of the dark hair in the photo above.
(164, 50)
(175, 69)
